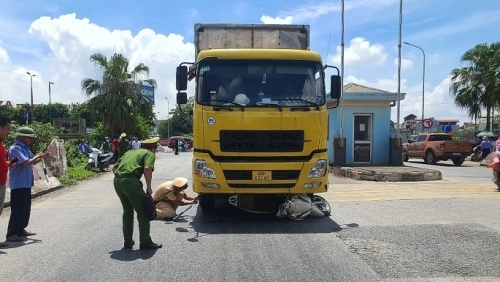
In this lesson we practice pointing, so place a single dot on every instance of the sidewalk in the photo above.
(348, 190)
(387, 173)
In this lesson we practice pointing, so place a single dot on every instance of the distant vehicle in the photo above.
(171, 140)
(435, 147)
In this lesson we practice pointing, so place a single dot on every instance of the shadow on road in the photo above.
(131, 255)
(26, 241)
(231, 220)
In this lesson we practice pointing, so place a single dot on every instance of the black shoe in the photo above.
(150, 246)
(128, 244)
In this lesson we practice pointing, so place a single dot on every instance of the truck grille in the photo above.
(261, 141)
(247, 174)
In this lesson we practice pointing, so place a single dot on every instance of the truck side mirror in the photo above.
(335, 87)
(182, 98)
(181, 78)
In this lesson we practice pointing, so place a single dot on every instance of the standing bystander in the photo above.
(4, 163)
(115, 148)
(136, 144)
(21, 180)
(122, 145)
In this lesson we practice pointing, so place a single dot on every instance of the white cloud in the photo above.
(438, 103)
(277, 20)
(72, 41)
(360, 52)
(4, 57)
(405, 63)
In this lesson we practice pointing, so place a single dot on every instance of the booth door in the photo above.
(362, 149)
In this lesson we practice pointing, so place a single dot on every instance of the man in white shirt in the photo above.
(136, 144)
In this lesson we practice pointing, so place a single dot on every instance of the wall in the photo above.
(381, 116)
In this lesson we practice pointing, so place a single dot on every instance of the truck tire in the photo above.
(405, 156)
(430, 158)
(207, 203)
(458, 162)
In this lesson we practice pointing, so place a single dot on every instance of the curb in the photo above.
(371, 175)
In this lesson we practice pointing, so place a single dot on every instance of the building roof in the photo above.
(357, 92)
(410, 116)
(358, 88)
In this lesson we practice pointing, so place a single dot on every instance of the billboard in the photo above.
(149, 93)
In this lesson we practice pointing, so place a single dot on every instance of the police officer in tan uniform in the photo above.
(170, 195)
(128, 171)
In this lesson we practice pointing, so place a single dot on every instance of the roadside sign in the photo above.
(446, 128)
(427, 123)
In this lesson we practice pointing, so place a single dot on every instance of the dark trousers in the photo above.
(20, 210)
(132, 197)
(485, 153)
(115, 156)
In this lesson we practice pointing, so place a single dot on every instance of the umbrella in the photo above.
(487, 134)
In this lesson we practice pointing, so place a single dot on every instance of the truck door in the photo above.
(420, 145)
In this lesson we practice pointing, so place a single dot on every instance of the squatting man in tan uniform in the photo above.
(170, 195)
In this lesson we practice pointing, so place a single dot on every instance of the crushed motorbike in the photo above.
(293, 206)
(298, 207)
(98, 160)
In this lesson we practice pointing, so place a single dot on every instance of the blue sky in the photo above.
(54, 40)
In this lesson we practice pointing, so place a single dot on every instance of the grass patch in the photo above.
(76, 173)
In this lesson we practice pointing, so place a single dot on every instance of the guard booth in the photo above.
(366, 125)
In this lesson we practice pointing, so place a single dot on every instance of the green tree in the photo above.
(44, 131)
(181, 122)
(476, 86)
(82, 111)
(43, 113)
(118, 98)
(6, 111)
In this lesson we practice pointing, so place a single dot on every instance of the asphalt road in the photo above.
(79, 239)
(468, 172)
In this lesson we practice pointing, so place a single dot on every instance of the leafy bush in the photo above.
(73, 154)
(45, 134)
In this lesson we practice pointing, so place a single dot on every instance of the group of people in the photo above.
(18, 163)
(118, 146)
(169, 195)
(129, 168)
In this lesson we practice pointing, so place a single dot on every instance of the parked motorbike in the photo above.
(476, 154)
(98, 160)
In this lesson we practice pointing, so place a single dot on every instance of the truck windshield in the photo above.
(260, 82)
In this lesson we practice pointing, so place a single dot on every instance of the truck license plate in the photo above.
(262, 175)
(456, 154)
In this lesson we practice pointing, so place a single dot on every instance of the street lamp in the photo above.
(168, 117)
(50, 104)
(31, 83)
(423, 81)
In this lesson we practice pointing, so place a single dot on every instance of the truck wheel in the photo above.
(207, 203)
(430, 158)
(458, 162)
(405, 156)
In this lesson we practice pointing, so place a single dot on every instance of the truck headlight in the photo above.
(204, 171)
(318, 170)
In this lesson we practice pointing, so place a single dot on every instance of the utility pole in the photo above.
(31, 83)
(50, 104)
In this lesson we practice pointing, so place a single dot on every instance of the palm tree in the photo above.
(117, 99)
(477, 85)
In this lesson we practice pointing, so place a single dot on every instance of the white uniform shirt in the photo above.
(136, 144)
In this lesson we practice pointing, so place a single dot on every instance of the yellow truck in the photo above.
(260, 120)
